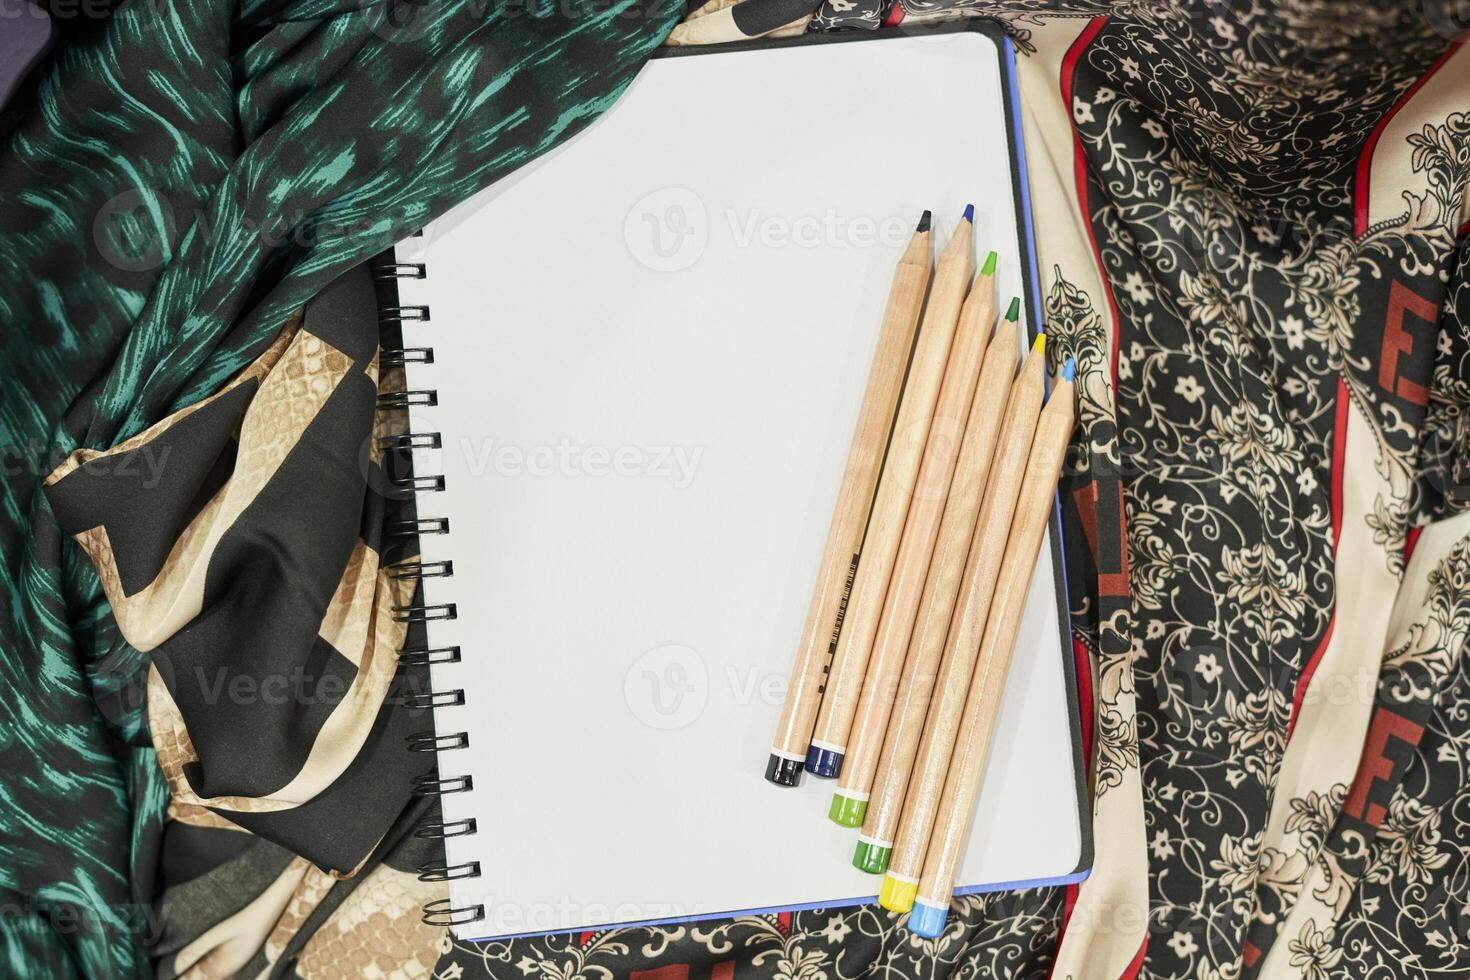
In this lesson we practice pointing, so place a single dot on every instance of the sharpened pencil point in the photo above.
(1039, 344)
(1014, 310)
(924, 220)
(989, 268)
(1069, 370)
(970, 213)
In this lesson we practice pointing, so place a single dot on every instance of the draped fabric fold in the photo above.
(190, 369)
(239, 541)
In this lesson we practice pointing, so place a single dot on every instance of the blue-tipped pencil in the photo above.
(960, 632)
(791, 742)
(881, 539)
(997, 643)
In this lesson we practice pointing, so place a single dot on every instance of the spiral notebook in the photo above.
(638, 363)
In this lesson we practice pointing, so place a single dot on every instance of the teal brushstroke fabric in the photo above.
(175, 183)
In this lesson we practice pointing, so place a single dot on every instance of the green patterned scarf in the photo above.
(176, 182)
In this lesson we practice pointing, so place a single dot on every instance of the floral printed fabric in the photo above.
(1253, 231)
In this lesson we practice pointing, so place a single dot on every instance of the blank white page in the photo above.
(650, 347)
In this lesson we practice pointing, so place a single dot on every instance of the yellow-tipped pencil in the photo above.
(962, 640)
(916, 547)
(854, 500)
(941, 589)
(962, 785)
(891, 506)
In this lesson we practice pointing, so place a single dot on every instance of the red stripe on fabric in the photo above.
(1084, 703)
(1068, 69)
(670, 971)
(1071, 902)
(895, 16)
(1365, 159)
(1079, 168)
(1307, 672)
(1083, 661)
(1079, 652)
(1339, 448)
(1463, 230)
(1131, 973)
(1411, 540)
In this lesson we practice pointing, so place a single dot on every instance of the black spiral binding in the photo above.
(432, 783)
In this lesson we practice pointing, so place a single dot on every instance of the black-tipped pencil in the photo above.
(854, 501)
(952, 274)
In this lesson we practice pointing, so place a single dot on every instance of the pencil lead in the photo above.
(1015, 309)
(989, 268)
(1039, 344)
(970, 213)
(924, 220)
(1069, 370)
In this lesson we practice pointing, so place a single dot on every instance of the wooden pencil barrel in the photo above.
(916, 549)
(924, 665)
(962, 639)
(891, 505)
(854, 501)
(967, 767)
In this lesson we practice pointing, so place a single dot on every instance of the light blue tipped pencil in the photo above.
(982, 705)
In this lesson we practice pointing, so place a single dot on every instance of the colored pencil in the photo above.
(854, 500)
(916, 548)
(941, 589)
(962, 640)
(891, 506)
(967, 767)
